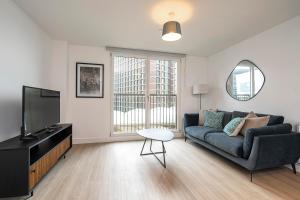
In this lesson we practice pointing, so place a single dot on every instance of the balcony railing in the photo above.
(129, 112)
(163, 111)
(243, 97)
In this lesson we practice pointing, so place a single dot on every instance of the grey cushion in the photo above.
(274, 119)
(199, 131)
(227, 118)
(231, 145)
(266, 130)
(239, 114)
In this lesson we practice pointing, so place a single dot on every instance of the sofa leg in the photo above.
(251, 174)
(185, 138)
(294, 168)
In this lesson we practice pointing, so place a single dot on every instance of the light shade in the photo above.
(171, 31)
(200, 89)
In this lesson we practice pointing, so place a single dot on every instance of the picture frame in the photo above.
(89, 80)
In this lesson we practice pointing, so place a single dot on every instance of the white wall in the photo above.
(58, 74)
(277, 53)
(30, 57)
(195, 73)
(91, 118)
(24, 55)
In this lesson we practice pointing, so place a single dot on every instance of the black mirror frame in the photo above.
(231, 74)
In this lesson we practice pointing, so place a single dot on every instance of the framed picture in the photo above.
(89, 80)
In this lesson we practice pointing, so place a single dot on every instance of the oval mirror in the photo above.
(245, 81)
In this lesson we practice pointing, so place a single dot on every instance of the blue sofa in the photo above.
(270, 146)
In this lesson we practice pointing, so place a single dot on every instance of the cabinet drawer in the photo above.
(41, 167)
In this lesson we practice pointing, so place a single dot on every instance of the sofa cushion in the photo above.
(199, 131)
(202, 115)
(274, 119)
(231, 145)
(255, 122)
(214, 119)
(227, 118)
(234, 126)
(239, 114)
(251, 115)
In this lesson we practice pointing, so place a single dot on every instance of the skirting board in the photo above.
(114, 139)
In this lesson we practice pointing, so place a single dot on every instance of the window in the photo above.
(149, 98)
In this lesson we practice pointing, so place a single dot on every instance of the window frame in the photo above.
(147, 57)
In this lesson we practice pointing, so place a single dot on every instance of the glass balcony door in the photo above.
(144, 94)
(129, 94)
(163, 93)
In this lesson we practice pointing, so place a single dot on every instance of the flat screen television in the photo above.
(40, 110)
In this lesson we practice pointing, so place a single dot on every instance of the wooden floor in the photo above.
(116, 171)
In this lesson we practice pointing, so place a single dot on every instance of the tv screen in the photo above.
(41, 109)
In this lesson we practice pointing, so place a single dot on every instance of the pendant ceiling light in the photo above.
(171, 31)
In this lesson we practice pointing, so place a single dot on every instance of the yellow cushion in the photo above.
(254, 122)
(251, 115)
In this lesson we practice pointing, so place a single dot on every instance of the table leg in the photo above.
(164, 150)
(143, 147)
(154, 153)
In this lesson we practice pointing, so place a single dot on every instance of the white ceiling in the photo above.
(208, 26)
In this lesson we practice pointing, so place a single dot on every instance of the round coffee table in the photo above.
(157, 134)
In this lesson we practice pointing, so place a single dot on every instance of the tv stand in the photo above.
(24, 164)
(56, 126)
(28, 138)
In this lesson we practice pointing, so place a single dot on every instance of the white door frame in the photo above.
(147, 76)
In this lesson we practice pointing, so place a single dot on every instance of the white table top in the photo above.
(157, 134)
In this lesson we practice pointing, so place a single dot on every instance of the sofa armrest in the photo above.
(191, 119)
(266, 130)
(274, 151)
